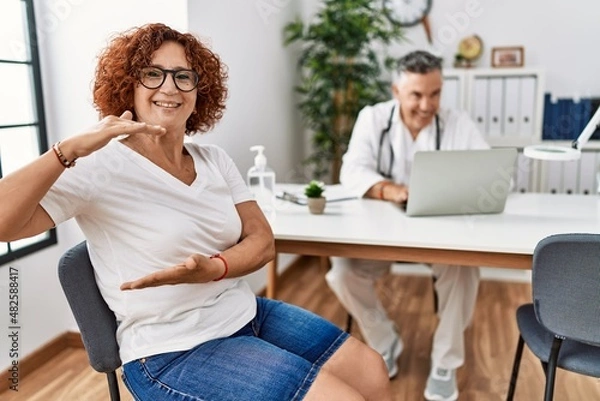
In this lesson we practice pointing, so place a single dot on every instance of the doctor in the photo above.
(377, 165)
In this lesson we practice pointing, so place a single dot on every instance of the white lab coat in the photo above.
(353, 280)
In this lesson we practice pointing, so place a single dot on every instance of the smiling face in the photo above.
(166, 105)
(419, 97)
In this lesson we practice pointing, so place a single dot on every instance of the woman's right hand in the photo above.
(101, 133)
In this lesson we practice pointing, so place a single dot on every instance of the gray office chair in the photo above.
(562, 325)
(96, 321)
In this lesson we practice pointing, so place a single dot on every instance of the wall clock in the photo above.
(407, 13)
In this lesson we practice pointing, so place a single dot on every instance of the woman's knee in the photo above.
(373, 366)
(362, 368)
(327, 386)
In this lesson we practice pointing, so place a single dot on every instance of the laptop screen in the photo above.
(459, 182)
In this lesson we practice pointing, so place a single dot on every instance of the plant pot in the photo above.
(316, 205)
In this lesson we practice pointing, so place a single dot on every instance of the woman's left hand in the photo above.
(196, 269)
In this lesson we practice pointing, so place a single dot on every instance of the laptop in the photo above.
(458, 182)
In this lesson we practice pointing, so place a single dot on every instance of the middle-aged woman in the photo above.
(171, 230)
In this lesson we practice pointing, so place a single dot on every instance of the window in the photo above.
(22, 124)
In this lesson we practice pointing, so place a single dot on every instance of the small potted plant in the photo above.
(314, 194)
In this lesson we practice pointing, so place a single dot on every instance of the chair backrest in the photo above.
(566, 285)
(95, 319)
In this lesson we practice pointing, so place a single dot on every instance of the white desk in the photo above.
(380, 230)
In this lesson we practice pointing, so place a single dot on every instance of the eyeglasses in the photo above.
(153, 77)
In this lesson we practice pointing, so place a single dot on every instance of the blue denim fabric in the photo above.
(275, 357)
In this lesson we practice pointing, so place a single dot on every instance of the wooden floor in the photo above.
(491, 341)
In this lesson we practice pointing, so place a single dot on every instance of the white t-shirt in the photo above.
(360, 170)
(139, 219)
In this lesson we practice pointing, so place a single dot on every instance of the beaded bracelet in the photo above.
(61, 158)
(219, 256)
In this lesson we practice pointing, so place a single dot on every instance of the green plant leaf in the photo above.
(314, 189)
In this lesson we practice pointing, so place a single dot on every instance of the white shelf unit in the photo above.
(506, 103)
(508, 106)
(572, 177)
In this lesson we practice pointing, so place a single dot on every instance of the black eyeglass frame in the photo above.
(164, 77)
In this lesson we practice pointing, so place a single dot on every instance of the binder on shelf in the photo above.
(554, 178)
(570, 180)
(527, 110)
(549, 120)
(585, 113)
(480, 104)
(588, 166)
(496, 104)
(577, 117)
(571, 119)
(564, 120)
(594, 103)
(523, 174)
(512, 105)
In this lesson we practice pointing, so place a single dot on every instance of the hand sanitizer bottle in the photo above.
(261, 181)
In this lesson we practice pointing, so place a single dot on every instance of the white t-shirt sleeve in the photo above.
(73, 191)
(239, 190)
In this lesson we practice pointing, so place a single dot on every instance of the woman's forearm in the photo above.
(257, 246)
(20, 194)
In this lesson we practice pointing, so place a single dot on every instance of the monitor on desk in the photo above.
(459, 182)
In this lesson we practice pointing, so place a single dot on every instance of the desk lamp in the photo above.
(562, 153)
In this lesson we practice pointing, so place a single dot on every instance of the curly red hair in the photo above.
(119, 65)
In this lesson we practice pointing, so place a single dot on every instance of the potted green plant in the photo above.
(341, 72)
(314, 196)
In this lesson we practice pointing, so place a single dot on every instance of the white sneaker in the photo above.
(391, 357)
(441, 385)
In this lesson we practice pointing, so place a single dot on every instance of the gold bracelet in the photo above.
(61, 158)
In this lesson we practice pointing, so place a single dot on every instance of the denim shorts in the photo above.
(275, 357)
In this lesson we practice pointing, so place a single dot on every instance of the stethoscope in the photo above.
(385, 132)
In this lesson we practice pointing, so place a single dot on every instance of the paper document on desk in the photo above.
(333, 193)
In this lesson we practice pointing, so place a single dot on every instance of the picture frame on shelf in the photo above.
(513, 56)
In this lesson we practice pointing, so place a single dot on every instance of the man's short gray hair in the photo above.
(420, 62)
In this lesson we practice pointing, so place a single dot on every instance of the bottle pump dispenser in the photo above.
(261, 181)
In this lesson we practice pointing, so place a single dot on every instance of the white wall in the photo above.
(71, 32)
(261, 108)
